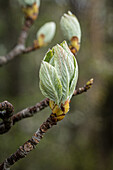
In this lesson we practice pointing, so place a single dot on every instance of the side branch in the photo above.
(29, 145)
(83, 89)
(20, 47)
(30, 111)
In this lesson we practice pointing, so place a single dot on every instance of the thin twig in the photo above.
(20, 47)
(83, 89)
(30, 111)
(30, 49)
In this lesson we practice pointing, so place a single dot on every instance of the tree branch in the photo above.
(20, 47)
(29, 145)
(83, 89)
(30, 111)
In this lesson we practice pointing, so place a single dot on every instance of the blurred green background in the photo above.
(84, 139)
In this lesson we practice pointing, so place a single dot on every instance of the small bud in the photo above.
(30, 8)
(70, 26)
(58, 77)
(46, 33)
(89, 83)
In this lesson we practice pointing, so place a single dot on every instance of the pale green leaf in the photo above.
(71, 66)
(50, 83)
(70, 26)
(73, 81)
(62, 66)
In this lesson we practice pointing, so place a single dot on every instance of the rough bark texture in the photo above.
(28, 145)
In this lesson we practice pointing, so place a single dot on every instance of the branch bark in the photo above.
(20, 47)
(30, 111)
(30, 144)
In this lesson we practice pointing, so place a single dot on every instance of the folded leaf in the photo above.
(50, 83)
(74, 80)
(71, 59)
(70, 26)
(62, 66)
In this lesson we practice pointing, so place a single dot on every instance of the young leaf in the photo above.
(61, 61)
(50, 83)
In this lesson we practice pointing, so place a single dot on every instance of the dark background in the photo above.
(84, 139)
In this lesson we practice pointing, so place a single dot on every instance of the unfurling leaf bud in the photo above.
(30, 8)
(70, 26)
(58, 78)
(71, 30)
(46, 33)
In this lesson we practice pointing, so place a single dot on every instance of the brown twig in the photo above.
(6, 111)
(30, 111)
(83, 89)
(30, 49)
(29, 145)
(20, 47)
